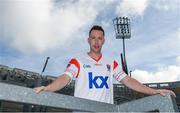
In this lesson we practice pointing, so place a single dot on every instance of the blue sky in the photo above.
(31, 30)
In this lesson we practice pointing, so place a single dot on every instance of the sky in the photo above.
(31, 30)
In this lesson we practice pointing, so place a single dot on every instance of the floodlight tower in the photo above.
(123, 31)
(39, 81)
(45, 65)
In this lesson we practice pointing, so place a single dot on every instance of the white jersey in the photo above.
(94, 78)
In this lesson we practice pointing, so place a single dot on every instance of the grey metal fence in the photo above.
(18, 94)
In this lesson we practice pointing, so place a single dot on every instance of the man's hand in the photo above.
(56, 85)
(39, 89)
(137, 86)
(163, 92)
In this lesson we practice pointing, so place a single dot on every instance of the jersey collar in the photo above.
(97, 60)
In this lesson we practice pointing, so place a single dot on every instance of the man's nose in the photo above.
(96, 40)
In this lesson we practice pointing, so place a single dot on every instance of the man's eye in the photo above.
(100, 38)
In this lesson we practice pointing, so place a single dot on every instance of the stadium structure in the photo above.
(24, 79)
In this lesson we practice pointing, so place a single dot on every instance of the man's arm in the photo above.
(57, 84)
(137, 86)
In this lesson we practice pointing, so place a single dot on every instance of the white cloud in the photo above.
(137, 8)
(165, 4)
(36, 25)
(132, 7)
(165, 74)
(178, 60)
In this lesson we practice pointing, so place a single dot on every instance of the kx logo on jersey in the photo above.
(92, 81)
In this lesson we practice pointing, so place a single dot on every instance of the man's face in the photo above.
(96, 40)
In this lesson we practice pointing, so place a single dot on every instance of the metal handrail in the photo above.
(14, 93)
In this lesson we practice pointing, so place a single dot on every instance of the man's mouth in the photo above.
(96, 46)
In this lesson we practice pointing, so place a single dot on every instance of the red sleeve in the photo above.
(76, 63)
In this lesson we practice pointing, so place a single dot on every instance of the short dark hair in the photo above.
(96, 27)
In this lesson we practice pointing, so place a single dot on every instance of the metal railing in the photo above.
(18, 94)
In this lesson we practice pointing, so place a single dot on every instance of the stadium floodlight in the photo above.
(123, 31)
(122, 27)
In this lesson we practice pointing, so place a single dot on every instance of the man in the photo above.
(94, 74)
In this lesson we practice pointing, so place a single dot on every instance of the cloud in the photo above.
(137, 8)
(178, 60)
(165, 4)
(132, 7)
(37, 25)
(165, 74)
(25, 24)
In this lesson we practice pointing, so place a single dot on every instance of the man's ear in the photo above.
(88, 39)
(103, 41)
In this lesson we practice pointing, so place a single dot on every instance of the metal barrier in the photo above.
(20, 94)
